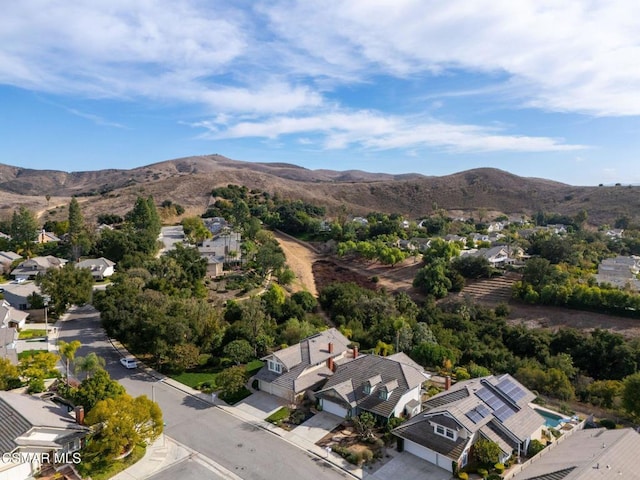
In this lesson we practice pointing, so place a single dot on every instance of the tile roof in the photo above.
(99, 263)
(588, 455)
(349, 380)
(428, 438)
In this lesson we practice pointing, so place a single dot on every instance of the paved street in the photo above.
(222, 440)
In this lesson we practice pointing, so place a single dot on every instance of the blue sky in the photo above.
(541, 88)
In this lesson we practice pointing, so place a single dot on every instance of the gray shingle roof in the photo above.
(298, 358)
(349, 380)
(426, 437)
(14, 425)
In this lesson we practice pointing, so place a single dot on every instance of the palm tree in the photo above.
(68, 352)
(89, 364)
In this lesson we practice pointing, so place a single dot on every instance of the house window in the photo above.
(367, 388)
(274, 366)
(383, 394)
(446, 432)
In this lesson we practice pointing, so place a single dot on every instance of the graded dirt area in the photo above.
(314, 272)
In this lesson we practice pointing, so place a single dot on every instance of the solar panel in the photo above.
(503, 413)
(511, 390)
(482, 410)
(474, 416)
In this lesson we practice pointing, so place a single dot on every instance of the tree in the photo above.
(195, 230)
(68, 353)
(24, 229)
(98, 387)
(38, 367)
(432, 279)
(89, 364)
(486, 452)
(184, 356)
(78, 237)
(239, 351)
(120, 423)
(365, 423)
(631, 394)
(9, 375)
(66, 286)
(231, 380)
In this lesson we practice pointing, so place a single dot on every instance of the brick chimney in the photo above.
(447, 382)
(330, 347)
(330, 365)
(355, 352)
(79, 411)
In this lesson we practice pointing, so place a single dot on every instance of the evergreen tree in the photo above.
(24, 229)
(78, 236)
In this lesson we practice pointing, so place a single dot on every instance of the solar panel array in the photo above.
(500, 409)
(511, 390)
(477, 414)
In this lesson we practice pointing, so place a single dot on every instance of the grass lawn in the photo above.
(253, 367)
(29, 353)
(103, 472)
(279, 415)
(36, 332)
(194, 379)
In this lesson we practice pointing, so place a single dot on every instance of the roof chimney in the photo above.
(330, 365)
(447, 382)
(79, 411)
(330, 347)
(355, 352)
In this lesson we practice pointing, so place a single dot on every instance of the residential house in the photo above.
(35, 266)
(215, 265)
(17, 293)
(586, 455)
(8, 342)
(496, 408)
(451, 238)
(6, 260)
(421, 243)
(407, 245)
(100, 268)
(10, 317)
(495, 227)
(383, 386)
(294, 370)
(615, 233)
(215, 224)
(621, 271)
(35, 434)
(557, 229)
(46, 237)
(363, 222)
(225, 247)
(324, 226)
(498, 256)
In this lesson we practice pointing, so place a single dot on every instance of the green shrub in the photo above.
(535, 447)
(607, 423)
(463, 476)
(483, 472)
(499, 467)
(367, 456)
(494, 476)
(36, 385)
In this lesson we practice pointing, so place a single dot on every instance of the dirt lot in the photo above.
(314, 271)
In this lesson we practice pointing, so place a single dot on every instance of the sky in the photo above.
(539, 88)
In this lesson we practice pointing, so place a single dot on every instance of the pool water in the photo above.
(551, 420)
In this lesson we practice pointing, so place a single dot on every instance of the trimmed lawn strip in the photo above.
(195, 379)
(36, 332)
(279, 415)
(29, 354)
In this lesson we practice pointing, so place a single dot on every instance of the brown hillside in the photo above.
(188, 181)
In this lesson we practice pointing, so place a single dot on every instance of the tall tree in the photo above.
(68, 353)
(66, 286)
(24, 229)
(631, 394)
(78, 237)
(89, 364)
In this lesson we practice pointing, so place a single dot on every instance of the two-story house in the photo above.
(31, 268)
(290, 372)
(100, 268)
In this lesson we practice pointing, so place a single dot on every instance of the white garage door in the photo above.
(334, 408)
(420, 451)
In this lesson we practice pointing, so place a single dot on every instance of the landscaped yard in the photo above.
(29, 353)
(103, 472)
(35, 333)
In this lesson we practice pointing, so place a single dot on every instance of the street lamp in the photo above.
(45, 301)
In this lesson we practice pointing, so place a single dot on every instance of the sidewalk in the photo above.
(160, 455)
(296, 440)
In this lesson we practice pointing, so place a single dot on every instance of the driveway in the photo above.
(314, 429)
(260, 405)
(405, 466)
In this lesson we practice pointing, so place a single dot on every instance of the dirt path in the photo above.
(300, 259)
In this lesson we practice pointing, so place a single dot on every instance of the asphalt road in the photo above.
(242, 449)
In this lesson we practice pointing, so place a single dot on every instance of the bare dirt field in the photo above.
(314, 272)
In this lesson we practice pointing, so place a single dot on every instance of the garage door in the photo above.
(334, 408)
(420, 451)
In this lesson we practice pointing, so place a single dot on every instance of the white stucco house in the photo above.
(100, 268)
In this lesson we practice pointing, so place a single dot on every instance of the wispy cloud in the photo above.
(98, 120)
(369, 130)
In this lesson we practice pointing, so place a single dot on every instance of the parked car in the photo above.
(129, 362)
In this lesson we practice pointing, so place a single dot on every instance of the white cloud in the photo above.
(369, 130)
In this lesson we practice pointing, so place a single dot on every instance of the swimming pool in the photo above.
(550, 419)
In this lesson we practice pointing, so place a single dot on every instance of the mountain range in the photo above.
(189, 181)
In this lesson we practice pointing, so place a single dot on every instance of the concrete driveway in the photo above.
(260, 405)
(314, 429)
(405, 466)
